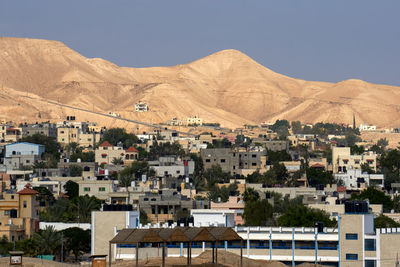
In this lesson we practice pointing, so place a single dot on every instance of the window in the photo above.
(351, 236)
(102, 189)
(370, 263)
(6, 212)
(25, 204)
(222, 160)
(253, 164)
(86, 189)
(370, 244)
(254, 156)
(178, 172)
(207, 160)
(12, 196)
(28, 161)
(351, 257)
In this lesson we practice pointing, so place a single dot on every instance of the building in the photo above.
(19, 214)
(141, 107)
(55, 187)
(234, 203)
(167, 204)
(353, 243)
(367, 128)
(342, 160)
(194, 121)
(105, 225)
(215, 217)
(171, 166)
(98, 188)
(355, 178)
(47, 129)
(89, 169)
(234, 161)
(22, 154)
(106, 153)
(24, 148)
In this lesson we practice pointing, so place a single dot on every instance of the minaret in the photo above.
(354, 121)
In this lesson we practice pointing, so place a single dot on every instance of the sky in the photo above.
(317, 40)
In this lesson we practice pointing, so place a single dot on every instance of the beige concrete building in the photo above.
(342, 160)
(19, 214)
(106, 153)
(106, 224)
(98, 188)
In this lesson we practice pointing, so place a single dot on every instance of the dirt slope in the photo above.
(227, 87)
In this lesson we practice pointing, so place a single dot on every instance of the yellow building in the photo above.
(19, 214)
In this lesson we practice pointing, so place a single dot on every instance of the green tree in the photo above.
(198, 179)
(302, 216)
(383, 221)
(117, 161)
(375, 196)
(144, 219)
(317, 176)
(277, 156)
(72, 189)
(119, 135)
(75, 170)
(48, 240)
(214, 175)
(257, 213)
(357, 150)
(56, 213)
(77, 241)
(45, 195)
(165, 149)
(28, 246)
(5, 246)
(366, 168)
(83, 207)
(222, 192)
(281, 127)
(251, 195)
(296, 127)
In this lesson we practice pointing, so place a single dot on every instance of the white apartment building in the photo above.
(354, 178)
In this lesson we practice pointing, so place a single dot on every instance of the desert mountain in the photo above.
(226, 87)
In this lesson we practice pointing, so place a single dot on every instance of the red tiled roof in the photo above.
(131, 149)
(28, 191)
(105, 143)
(334, 142)
(341, 189)
(317, 166)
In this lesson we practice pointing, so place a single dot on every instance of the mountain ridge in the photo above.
(227, 86)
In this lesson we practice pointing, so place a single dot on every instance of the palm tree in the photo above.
(125, 179)
(84, 205)
(117, 161)
(48, 240)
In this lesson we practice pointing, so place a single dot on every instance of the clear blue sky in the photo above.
(309, 39)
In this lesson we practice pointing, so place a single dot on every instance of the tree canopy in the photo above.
(302, 216)
(119, 135)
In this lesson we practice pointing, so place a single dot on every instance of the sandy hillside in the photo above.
(226, 87)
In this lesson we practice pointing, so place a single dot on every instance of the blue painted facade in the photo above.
(24, 148)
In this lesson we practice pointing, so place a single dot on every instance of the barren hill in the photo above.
(226, 87)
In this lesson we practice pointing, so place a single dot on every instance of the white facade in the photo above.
(141, 107)
(354, 178)
(214, 217)
(366, 127)
(23, 148)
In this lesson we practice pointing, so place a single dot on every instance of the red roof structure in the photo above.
(317, 165)
(132, 149)
(105, 143)
(341, 189)
(28, 190)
